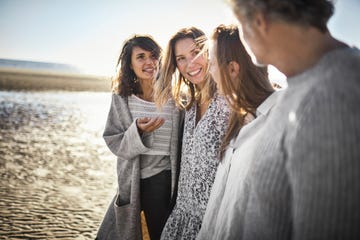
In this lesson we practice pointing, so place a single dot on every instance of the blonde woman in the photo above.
(185, 77)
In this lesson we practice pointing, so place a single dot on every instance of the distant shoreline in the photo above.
(37, 80)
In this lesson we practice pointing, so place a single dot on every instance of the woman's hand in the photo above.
(147, 124)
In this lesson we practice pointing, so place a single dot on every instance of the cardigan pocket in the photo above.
(127, 217)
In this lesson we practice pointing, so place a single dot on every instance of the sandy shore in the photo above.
(57, 175)
(43, 81)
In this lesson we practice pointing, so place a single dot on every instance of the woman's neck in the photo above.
(147, 91)
(201, 109)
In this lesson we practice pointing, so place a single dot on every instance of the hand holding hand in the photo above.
(147, 124)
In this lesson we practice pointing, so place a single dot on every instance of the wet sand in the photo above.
(57, 175)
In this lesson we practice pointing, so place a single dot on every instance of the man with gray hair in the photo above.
(304, 177)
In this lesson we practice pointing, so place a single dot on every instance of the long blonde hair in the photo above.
(172, 83)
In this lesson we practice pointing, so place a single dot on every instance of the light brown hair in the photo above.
(171, 82)
(251, 87)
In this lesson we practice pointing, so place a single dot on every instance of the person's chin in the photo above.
(258, 62)
(199, 80)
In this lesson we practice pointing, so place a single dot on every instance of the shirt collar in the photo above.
(269, 102)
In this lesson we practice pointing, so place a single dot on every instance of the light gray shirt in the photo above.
(234, 165)
(303, 178)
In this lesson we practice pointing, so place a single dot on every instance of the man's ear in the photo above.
(261, 23)
(233, 69)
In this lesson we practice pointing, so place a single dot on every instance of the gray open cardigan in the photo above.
(122, 219)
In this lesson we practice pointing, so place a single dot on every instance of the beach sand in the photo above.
(57, 175)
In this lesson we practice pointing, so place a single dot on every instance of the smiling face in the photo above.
(144, 64)
(191, 61)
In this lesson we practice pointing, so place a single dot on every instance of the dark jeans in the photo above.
(155, 201)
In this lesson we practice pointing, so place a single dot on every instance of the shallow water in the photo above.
(57, 175)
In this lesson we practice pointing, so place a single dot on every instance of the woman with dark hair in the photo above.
(185, 77)
(250, 95)
(145, 141)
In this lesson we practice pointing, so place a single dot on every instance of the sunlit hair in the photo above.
(251, 87)
(314, 13)
(125, 81)
(172, 83)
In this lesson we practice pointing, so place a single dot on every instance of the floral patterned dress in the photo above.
(200, 158)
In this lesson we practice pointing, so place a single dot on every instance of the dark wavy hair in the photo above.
(314, 13)
(124, 82)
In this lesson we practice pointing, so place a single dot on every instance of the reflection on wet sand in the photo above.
(57, 175)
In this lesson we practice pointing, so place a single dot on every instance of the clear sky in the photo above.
(90, 33)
